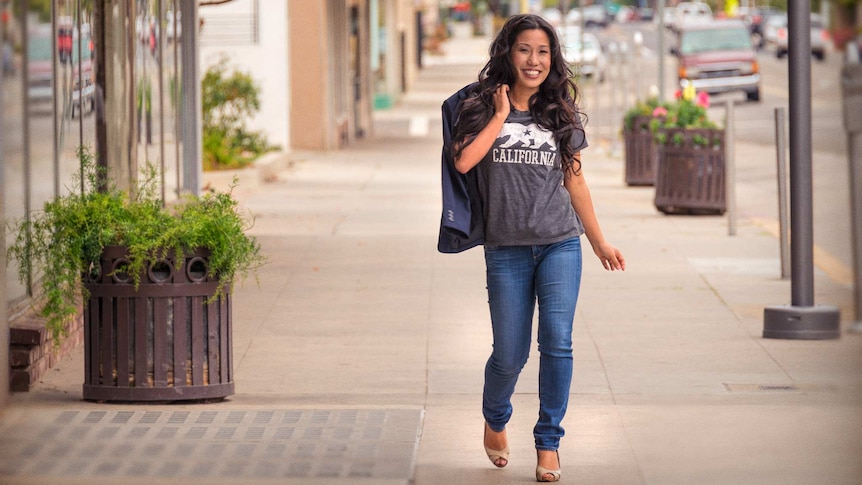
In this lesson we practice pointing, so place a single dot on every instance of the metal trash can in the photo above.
(167, 340)
(690, 176)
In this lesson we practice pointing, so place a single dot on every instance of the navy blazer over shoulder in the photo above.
(462, 224)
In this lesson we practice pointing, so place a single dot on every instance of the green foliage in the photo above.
(66, 239)
(228, 100)
(688, 114)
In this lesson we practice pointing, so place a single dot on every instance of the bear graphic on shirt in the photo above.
(516, 135)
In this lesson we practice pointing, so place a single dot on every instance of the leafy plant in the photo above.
(689, 111)
(228, 100)
(66, 239)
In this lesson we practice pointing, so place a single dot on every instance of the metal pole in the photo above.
(801, 320)
(854, 144)
(781, 152)
(851, 84)
(625, 75)
(801, 207)
(596, 115)
(638, 40)
(730, 168)
(160, 15)
(661, 48)
(191, 99)
(613, 49)
(4, 323)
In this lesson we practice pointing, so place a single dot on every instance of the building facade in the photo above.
(122, 78)
(322, 67)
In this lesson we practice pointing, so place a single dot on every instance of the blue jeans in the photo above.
(518, 276)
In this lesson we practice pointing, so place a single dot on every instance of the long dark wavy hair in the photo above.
(553, 107)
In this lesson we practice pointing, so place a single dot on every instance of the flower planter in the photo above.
(690, 177)
(641, 153)
(164, 341)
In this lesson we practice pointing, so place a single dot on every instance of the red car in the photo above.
(718, 57)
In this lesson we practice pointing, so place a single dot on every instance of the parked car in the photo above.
(668, 14)
(40, 69)
(718, 57)
(776, 36)
(552, 15)
(625, 15)
(594, 16)
(589, 60)
(756, 18)
(645, 14)
(687, 13)
(83, 96)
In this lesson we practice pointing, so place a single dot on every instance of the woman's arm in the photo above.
(611, 258)
(473, 153)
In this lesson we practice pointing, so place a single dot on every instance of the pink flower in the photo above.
(702, 99)
(659, 111)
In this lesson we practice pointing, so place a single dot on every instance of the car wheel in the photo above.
(819, 55)
(780, 53)
(753, 96)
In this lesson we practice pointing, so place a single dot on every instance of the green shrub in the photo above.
(228, 100)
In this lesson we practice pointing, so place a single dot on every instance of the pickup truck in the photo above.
(718, 57)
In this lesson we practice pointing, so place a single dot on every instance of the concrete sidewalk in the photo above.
(360, 351)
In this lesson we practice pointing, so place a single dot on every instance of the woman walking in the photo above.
(519, 129)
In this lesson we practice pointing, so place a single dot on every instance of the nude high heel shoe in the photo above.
(541, 472)
(499, 458)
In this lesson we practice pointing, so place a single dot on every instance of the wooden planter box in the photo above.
(162, 342)
(690, 177)
(641, 153)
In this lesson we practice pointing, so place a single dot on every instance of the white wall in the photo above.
(266, 61)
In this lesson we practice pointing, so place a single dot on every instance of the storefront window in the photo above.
(59, 94)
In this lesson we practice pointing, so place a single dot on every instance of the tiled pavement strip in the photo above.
(237, 446)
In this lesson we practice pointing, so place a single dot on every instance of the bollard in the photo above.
(730, 168)
(661, 49)
(638, 40)
(781, 156)
(614, 87)
(625, 74)
(801, 319)
(596, 115)
(851, 88)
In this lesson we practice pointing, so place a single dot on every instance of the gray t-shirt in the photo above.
(521, 184)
